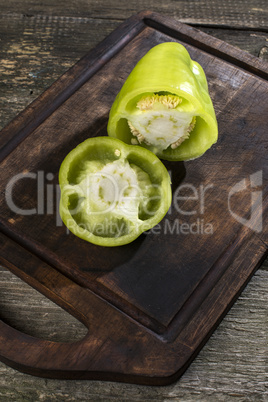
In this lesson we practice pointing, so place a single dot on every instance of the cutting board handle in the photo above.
(104, 353)
(43, 357)
(38, 356)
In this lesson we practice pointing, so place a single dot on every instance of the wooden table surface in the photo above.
(41, 40)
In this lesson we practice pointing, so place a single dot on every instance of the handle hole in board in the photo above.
(30, 312)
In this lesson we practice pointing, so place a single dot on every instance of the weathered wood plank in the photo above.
(36, 50)
(250, 14)
(232, 365)
(253, 42)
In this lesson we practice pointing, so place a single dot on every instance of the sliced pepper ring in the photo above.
(164, 105)
(112, 192)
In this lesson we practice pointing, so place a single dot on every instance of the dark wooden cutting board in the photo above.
(149, 306)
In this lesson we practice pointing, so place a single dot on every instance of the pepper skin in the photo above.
(111, 192)
(164, 106)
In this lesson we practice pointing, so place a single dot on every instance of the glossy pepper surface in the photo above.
(164, 105)
(111, 192)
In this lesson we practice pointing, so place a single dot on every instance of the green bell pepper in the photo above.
(164, 106)
(111, 192)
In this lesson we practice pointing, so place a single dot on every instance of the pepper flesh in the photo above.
(164, 105)
(112, 192)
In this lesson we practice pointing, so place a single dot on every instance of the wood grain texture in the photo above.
(36, 50)
(191, 389)
(45, 50)
(230, 367)
(250, 14)
(41, 317)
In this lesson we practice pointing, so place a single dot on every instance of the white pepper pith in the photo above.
(160, 122)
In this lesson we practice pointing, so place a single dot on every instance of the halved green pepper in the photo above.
(112, 192)
(164, 105)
